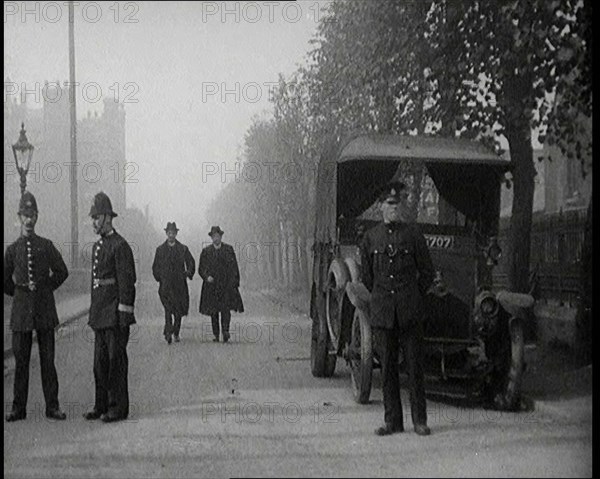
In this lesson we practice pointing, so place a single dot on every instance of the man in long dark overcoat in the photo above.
(173, 265)
(219, 270)
(397, 269)
(33, 270)
(111, 313)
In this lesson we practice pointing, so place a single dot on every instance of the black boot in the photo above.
(15, 415)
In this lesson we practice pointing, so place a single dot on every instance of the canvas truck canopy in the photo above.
(466, 173)
(427, 148)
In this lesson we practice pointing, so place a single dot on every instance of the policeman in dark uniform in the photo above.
(397, 269)
(111, 313)
(33, 269)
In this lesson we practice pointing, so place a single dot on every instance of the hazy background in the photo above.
(159, 58)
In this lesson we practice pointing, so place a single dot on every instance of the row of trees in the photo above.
(483, 70)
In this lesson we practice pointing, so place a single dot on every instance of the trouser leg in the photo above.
(101, 370)
(177, 324)
(118, 365)
(46, 342)
(214, 319)
(225, 320)
(386, 344)
(414, 357)
(21, 344)
(168, 329)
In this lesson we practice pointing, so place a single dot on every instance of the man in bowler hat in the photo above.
(111, 313)
(397, 269)
(33, 269)
(219, 270)
(173, 264)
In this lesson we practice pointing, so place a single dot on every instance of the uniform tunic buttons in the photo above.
(392, 276)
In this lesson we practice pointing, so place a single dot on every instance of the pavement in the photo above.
(552, 382)
(556, 384)
(252, 408)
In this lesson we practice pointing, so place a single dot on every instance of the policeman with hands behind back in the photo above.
(397, 269)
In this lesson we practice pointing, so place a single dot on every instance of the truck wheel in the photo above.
(507, 392)
(337, 277)
(322, 355)
(361, 357)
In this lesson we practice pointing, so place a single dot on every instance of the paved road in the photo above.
(252, 408)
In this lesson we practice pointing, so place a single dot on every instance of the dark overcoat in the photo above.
(223, 293)
(113, 263)
(36, 259)
(171, 267)
(397, 269)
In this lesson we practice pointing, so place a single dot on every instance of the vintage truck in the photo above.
(474, 340)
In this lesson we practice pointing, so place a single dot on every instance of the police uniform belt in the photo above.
(28, 286)
(104, 282)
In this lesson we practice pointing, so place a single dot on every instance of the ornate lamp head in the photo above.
(23, 151)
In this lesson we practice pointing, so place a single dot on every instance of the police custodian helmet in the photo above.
(102, 205)
(27, 204)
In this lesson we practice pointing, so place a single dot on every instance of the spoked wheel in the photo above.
(361, 357)
(333, 301)
(322, 353)
(507, 392)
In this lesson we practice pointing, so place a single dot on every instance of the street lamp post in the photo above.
(23, 151)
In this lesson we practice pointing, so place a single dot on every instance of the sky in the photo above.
(192, 76)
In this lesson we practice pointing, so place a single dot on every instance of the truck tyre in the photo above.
(322, 355)
(506, 392)
(361, 357)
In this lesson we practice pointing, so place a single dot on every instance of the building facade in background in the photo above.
(561, 198)
(100, 153)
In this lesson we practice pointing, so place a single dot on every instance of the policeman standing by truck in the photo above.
(397, 269)
(111, 313)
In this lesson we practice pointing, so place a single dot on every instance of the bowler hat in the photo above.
(102, 205)
(27, 204)
(172, 227)
(216, 229)
(393, 192)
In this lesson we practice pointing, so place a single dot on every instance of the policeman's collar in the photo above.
(108, 233)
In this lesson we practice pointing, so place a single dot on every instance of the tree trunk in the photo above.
(583, 321)
(300, 264)
(280, 260)
(291, 258)
(519, 234)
